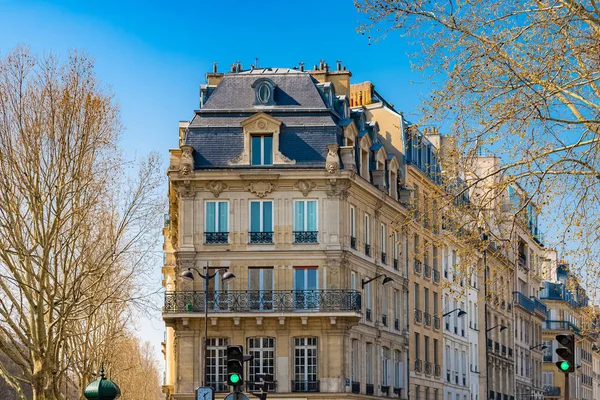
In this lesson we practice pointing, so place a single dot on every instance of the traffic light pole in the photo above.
(566, 386)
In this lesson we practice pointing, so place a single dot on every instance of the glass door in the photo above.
(306, 294)
(260, 289)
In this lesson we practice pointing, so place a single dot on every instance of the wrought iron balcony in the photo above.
(418, 365)
(306, 386)
(383, 257)
(427, 318)
(524, 302)
(426, 271)
(395, 263)
(418, 266)
(353, 242)
(552, 391)
(436, 275)
(398, 391)
(368, 249)
(418, 316)
(560, 326)
(301, 237)
(326, 300)
(370, 389)
(261, 237)
(355, 387)
(428, 368)
(539, 306)
(216, 237)
(436, 322)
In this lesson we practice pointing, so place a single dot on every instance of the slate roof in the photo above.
(294, 90)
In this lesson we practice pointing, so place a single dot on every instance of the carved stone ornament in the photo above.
(186, 165)
(338, 189)
(260, 188)
(216, 187)
(305, 186)
(186, 191)
(332, 162)
(378, 206)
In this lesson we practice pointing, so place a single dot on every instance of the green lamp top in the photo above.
(102, 389)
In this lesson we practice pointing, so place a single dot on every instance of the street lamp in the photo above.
(502, 328)
(461, 313)
(189, 276)
(386, 280)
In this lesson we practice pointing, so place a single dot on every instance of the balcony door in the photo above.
(306, 285)
(260, 289)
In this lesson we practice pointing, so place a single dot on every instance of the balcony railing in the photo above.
(436, 275)
(524, 302)
(261, 237)
(426, 271)
(541, 307)
(216, 237)
(383, 258)
(326, 300)
(436, 322)
(355, 387)
(553, 391)
(560, 326)
(418, 316)
(370, 389)
(306, 386)
(301, 237)
(418, 266)
(353, 242)
(428, 368)
(427, 319)
(418, 365)
(368, 249)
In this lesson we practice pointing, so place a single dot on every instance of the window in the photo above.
(355, 362)
(368, 300)
(306, 284)
(263, 350)
(417, 303)
(217, 363)
(262, 150)
(261, 221)
(369, 363)
(353, 280)
(305, 365)
(260, 287)
(383, 239)
(435, 352)
(367, 236)
(305, 221)
(426, 300)
(386, 364)
(352, 227)
(435, 304)
(426, 345)
(395, 250)
(417, 347)
(398, 373)
(396, 299)
(216, 222)
(384, 305)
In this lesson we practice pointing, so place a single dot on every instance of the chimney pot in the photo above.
(321, 64)
(326, 67)
(232, 67)
(214, 68)
(302, 66)
(339, 65)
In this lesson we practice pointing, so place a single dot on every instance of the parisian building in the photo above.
(280, 182)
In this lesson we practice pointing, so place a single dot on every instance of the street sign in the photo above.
(205, 393)
(236, 396)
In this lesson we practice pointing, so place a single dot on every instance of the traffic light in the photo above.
(235, 365)
(567, 353)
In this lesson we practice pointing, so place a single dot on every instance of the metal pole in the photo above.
(566, 386)
(485, 309)
(205, 325)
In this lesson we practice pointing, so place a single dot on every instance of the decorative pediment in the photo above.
(261, 123)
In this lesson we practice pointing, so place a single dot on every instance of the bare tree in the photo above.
(76, 225)
(519, 79)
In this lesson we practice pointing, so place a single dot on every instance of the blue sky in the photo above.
(153, 55)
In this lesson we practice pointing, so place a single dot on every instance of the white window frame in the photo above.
(383, 238)
(355, 364)
(305, 201)
(219, 360)
(261, 211)
(216, 202)
(369, 363)
(367, 222)
(386, 366)
(306, 344)
(261, 354)
(352, 222)
(262, 150)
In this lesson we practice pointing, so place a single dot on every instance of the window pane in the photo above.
(210, 216)
(268, 150)
(256, 150)
(267, 216)
(223, 217)
(311, 279)
(312, 215)
(299, 279)
(299, 216)
(255, 216)
(254, 279)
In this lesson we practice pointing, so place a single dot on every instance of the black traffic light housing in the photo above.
(567, 353)
(235, 365)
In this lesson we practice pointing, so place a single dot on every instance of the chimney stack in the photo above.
(339, 65)
(322, 65)
(214, 68)
(302, 67)
(233, 67)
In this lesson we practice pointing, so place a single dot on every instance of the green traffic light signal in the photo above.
(234, 378)
(564, 366)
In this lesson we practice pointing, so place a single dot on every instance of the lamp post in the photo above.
(544, 347)
(189, 275)
(502, 328)
(386, 280)
(461, 313)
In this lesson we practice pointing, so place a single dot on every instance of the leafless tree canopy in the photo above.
(76, 222)
(519, 79)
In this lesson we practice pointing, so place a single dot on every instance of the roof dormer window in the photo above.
(264, 92)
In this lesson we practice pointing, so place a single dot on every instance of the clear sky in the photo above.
(153, 55)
